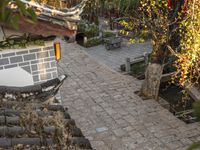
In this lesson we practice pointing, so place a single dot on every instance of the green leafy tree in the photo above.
(154, 15)
(162, 23)
(11, 18)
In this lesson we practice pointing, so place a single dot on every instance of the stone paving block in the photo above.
(99, 145)
(16, 59)
(102, 129)
(135, 134)
(10, 66)
(182, 148)
(105, 105)
(116, 106)
(105, 137)
(129, 119)
(174, 145)
(116, 144)
(97, 108)
(24, 64)
(122, 123)
(110, 111)
(8, 54)
(29, 57)
(128, 128)
(186, 141)
(150, 146)
(116, 116)
(4, 61)
(168, 139)
(120, 132)
(22, 52)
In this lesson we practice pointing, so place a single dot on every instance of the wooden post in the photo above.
(128, 65)
(192, 91)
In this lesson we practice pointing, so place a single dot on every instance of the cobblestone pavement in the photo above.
(116, 57)
(105, 107)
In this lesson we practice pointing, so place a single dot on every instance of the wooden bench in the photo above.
(112, 42)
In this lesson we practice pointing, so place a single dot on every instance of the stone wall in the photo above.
(39, 62)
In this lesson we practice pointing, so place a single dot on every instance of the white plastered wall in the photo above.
(15, 77)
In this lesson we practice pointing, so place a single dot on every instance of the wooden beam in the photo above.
(193, 92)
(44, 28)
(167, 77)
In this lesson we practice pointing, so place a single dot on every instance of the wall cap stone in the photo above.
(47, 44)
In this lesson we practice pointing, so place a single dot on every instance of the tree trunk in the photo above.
(151, 84)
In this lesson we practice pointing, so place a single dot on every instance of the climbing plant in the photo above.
(188, 62)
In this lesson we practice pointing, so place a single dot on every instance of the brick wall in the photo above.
(38, 61)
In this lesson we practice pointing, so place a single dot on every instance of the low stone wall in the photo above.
(39, 62)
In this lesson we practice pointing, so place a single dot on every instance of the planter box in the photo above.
(27, 66)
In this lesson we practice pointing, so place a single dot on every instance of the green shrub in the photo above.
(20, 43)
(89, 30)
(136, 40)
(108, 34)
(93, 42)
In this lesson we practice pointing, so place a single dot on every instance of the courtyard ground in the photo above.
(116, 57)
(103, 103)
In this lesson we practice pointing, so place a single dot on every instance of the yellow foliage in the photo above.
(188, 62)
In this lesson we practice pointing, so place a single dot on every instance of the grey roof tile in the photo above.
(27, 123)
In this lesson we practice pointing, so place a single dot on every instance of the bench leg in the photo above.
(118, 44)
(107, 46)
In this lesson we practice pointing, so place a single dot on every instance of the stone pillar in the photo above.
(85, 40)
(100, 31)
(146, 58)
(128, 65)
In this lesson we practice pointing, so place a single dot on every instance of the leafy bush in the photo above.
(93, 42)
(136, 40)
(89, 30)
(20, 42)
(108, 34)
(135, 30)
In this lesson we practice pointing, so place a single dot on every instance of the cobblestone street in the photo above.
(111, 116)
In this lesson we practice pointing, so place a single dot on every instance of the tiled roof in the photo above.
(27, 122)
(67, 17)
